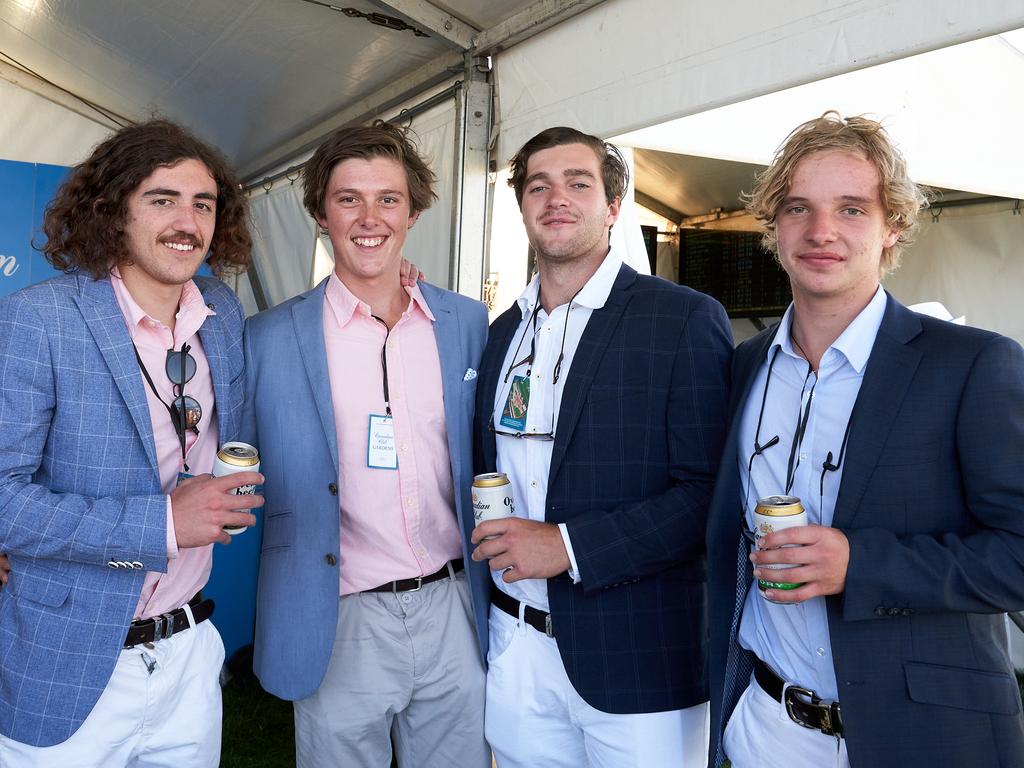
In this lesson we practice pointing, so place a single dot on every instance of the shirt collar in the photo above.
(854, 343)
(343, 303)
(592, 295)
(192, 307)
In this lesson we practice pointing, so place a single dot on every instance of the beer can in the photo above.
(237, 457)
(777, 513)
(492, 497)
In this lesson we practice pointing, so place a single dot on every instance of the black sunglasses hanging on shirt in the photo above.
(185, 411)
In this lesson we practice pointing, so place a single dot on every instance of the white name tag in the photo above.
(380, 447)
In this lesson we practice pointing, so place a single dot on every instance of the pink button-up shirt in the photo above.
(395, 524)
(187, 569)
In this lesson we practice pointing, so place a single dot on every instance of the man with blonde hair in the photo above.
(874, 635)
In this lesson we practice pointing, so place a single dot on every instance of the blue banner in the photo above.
(25, 190)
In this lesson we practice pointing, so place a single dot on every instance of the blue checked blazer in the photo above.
(932, 502)
(637, 444)
(80, 490)
(289, 414)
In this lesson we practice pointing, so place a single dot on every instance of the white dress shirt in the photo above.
(527, 461)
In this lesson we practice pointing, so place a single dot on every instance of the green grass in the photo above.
(259, 731)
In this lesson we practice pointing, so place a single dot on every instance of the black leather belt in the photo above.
(412, 585)
(803, 706)
(167, 624)
(539, 620)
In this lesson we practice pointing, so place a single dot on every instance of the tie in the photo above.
(739, 664)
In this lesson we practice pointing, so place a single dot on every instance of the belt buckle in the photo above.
(158, 627)
(828, 711)
(417, 588)
(547, 626)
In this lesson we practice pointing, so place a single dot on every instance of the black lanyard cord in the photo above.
(178, 417)
(384, 366)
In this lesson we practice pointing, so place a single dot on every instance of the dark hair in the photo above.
(365, 142)
(84, 224)
(614, 173)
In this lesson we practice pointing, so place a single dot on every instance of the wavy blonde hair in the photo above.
(902, 199)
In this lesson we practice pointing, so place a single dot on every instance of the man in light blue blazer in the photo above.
(371, 616)
(97, 419)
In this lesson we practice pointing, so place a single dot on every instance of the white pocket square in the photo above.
(470, 375)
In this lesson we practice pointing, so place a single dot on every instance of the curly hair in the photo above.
(85, 223)
(614, 172)
(365, 142)
(902, 199)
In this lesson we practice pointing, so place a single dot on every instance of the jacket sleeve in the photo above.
(37, 521)
(980, 568)
(624, 543)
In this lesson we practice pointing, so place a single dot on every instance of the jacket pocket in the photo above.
(278, 530)
(40, 585)
(962, 688)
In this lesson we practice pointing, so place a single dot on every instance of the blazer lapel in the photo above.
(591, 349)
(103, 318)
(308, 316)
(887, 378)
(500, 336)
(211, 334)
(449, 352)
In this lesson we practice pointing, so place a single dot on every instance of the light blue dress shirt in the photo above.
(793, 639)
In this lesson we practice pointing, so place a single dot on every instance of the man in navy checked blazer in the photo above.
(94, 522)
(602, 396)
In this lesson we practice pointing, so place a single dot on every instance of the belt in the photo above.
(539, 620)
(414, 584)
(167, 624)
(803, 706)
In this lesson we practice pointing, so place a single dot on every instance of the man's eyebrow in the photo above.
(790, 199)
(569, 172)
(535, 176)
(163, 192)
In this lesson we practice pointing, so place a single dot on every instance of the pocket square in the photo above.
(470, 375)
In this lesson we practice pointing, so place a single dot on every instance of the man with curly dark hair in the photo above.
(118, 381)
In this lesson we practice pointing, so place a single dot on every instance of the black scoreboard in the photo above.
(735, 269)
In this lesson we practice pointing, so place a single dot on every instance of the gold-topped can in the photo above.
(236, 457)
(492, 497)
(772, 514)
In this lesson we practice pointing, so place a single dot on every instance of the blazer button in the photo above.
(894, 611)
(113, 564)
(330, 559)
(880, 611)
(333, 488)
(907, 611)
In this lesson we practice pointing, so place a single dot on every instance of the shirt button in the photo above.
(421, 552)
(533, 483)
(333, 488)
(405, 448)
(803, 456)
(330, 559)
(411, 501)
(820, 651)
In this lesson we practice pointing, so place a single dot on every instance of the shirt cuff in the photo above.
(574, 572)
(172, 541)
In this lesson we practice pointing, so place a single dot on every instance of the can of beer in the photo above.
(237, 457)
(776, 513)
(492, 497)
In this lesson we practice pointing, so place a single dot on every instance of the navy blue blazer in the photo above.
(637, 445)
(932, 501)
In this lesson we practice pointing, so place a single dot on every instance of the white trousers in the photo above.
(534, 717)
(169, 717)
(405, 670)
(760, 734)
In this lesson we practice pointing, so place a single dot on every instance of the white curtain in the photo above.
(284, 237)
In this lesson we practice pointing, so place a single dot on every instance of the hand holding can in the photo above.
(492, 498)
(236, 457)
(777, 513)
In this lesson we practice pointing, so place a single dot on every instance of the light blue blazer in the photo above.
(290, 416)
(80, 491)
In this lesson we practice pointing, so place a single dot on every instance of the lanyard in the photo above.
(177, 416)
(533, 341)
(384, 366)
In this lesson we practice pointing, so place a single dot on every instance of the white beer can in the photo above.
(777, 513)
(492, 497)
(232, 458)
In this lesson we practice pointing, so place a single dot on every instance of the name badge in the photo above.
(513, 415)
(182, 476)
(380, 447)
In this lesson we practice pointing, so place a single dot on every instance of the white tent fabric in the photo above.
(33, 129)
(629, 64)
(283, 241)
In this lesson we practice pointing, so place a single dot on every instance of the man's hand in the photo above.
(201, 506)
(822, 560)
(410, 274)
(524, 549)
(5, 570)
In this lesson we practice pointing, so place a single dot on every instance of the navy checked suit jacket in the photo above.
(80, 489)
(289, 414)
(932, 502)
(637, 445)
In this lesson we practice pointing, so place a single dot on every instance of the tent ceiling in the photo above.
(247, 75)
